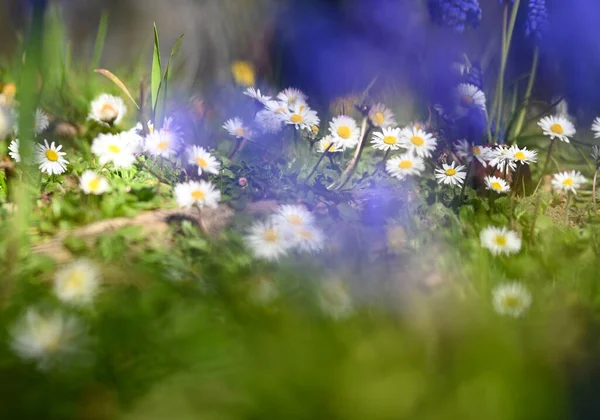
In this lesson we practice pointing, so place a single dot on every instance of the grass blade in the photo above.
(117, 82)
(100, 38)
(167, 77)
(156, 72)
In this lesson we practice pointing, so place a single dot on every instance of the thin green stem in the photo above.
(546, 165)
(528, 91)
(594, 193)
(469, 168)
(347, 174)
(567, 208)
(314, 169)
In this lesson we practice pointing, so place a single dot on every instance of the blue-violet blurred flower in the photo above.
(456, 14)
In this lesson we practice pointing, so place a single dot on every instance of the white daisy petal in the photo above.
(92, 183)
(405, 165)
(500, 240)
(107, 109)
(450, 174)
(493, 183)
(204, 160)
(201, 194)
(78, 282)
(417, 141)
(387, 139)
(50, 158)
(511, 299)
(381, 116)
(568, 181)
(344, 131)
(557, 126)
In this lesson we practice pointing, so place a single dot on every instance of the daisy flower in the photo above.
(13, 150)
(511, 299)
(335, 300)
(93, 183)
(557, 126)
(268, 240)
(255, 94)
(344, 131)
(418, 141)
(41, 121)
(309, 238)
(568, 181)
(381, 116)
(107, 109)
(500, 240)
(404, 165)
(596, 155)
(386, 139)
(235, 127)
(522, 156)
(277, 108)
(596, 127)
(268, 122)
(500, 157)
(46, 338)
(119, 149)
(204, 160)
(292, 96)
(201, 194)
(50, 158)
(327, 144)
(161, 143)
(494, 183)
(468, 97)
(468, 151)
(78, 282)
(450, 174)
(301, 117)
(293, 216)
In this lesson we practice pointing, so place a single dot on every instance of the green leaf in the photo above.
(167, 77)
(156, 72)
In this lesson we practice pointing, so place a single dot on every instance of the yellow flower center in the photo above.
(568, 182)
(279, 110)
(405, 164)
(296, 118)
(500, 240)
(51, 155)
(243, 73)
(476, 150)
(511, 301)
(557, 129)
(378, 118)
(239, 132)
(201, 162)
(294, 219)
(520, 155)
(108, 110)
(75, 280)
(417, 141)
(94, 184)
(467, 100)
(389, 140)
(417, 126)
(315, 129)
(9, 89)
(450, 171)
(270, 235)
(344, 132)
(301, 108)
(114, 148)
(163, 145)
(198, 194)
(497, 186)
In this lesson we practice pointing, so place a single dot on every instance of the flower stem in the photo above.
(325, 152)
(238, 147)
(567, 208)
(546, 165)
(594, 193)
(523, 111)
(469, 168)
(347, 174)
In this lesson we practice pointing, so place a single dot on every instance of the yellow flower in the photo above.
(9, 89)
(243, 73)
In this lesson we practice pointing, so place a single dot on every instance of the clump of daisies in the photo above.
(107, 109)
(468, 152)
(511, 299)
(290, 227)
(500, 240)
(49, 338)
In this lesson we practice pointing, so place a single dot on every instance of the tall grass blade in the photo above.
(156, 72)
(100, 39)
(117, 82)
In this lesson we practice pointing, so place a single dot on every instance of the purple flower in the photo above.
(456, 14)
(537, 19)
